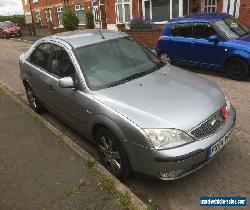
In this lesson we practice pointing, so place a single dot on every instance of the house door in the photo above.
(96, 13)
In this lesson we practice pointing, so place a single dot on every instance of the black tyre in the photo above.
(112, 154)
(33, 101)
(237, 69)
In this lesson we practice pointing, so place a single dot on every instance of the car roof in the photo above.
(80, 38)
(205, 17)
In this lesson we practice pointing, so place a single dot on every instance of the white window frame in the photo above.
(59, 10)
(80, 7)
(123, 3)
(171, 11)
(48, 15)
(34, 1)
(38, 17)
(205, 9)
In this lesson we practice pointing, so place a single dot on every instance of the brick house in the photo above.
(120, 12)
(49, 12)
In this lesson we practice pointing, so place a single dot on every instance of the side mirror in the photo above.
(213, 38)
(66, 82)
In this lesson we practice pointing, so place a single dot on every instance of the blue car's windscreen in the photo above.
(113, 62)
(232, 28)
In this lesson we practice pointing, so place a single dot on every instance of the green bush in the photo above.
(19, 19)
(69, 19)
(89, 20)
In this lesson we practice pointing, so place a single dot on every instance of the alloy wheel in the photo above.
(31, 98)
(165, 58)
(109, 154)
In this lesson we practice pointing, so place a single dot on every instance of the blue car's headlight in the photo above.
(167, 138)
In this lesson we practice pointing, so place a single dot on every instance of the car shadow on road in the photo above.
(209, 72)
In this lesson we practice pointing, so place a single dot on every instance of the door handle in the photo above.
(51, 88)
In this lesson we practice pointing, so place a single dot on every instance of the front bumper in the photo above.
(177, 162)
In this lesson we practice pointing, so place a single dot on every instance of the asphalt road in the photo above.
(227, 175)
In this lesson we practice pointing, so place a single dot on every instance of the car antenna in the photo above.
(100, 33)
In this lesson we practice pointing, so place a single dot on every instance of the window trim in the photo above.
(123, 3)
(79, 8)
(171, 10)
(59, 10)
(204, 9)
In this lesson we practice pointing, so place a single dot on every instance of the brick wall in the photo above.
(148, 38)
(245, 11)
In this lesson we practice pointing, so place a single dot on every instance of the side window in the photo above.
(182, 30)
(40, 56)
(203, 30)
(61, 64)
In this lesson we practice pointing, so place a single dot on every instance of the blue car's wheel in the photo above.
(237, 69)
(165, 58)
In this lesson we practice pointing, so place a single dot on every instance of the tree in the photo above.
(69, 19)
(89, 20)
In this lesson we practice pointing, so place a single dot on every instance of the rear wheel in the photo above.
(112, 154)
(33, 101)
(237, 69)
(165, 58)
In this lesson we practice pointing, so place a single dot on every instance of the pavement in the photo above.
(38, 171)
(31, 39)
(226, 175)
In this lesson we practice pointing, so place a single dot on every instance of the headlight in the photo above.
(167, 138)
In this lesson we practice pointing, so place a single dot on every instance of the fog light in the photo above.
(171, 174)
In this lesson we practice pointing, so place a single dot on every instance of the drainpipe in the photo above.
(33, 22)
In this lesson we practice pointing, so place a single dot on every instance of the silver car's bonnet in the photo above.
(168, 98)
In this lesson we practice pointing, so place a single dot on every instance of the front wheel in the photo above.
(237, 69)
(112, 154)
(33, 101)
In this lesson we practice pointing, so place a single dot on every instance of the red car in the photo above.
(9, 29)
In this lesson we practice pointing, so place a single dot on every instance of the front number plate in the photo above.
(219, 145)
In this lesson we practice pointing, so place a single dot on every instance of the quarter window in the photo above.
(182, 30)
(203, 30)
(80, 13)
(61, 65)
(123, 11)
(40, 56)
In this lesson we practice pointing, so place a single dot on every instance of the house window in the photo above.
(209, 6)
(123, 11)
(60, 13)
(80, 13)
(37, 16)
(48, 15)
(163, 10)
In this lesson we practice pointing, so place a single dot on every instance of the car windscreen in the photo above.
(113, 62)
(232, 28)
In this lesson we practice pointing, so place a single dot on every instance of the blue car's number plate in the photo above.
(219, 145)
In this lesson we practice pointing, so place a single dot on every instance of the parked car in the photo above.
(144, 115)
(9, 29)
(216, 41)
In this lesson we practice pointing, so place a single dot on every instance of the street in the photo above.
(226, 175)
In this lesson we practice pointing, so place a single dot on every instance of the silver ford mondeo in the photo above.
(144, 116)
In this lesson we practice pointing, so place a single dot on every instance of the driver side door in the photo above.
(69, 103)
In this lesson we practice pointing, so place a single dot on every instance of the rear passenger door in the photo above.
(37, 70)
(181, 43)
(207, 54)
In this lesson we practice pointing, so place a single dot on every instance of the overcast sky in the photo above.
(11, 7)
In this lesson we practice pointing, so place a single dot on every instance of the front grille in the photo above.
(209, 127)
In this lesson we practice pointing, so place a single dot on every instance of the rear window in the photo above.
(182, 30)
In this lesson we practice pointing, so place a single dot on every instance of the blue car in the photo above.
(216, 41)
